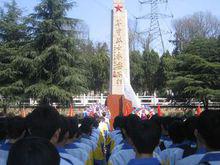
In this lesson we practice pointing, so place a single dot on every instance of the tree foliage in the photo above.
(57, 75)
(151, 62)
(48, 56)
(99, 69)
(165, 73)
(197, 75)
(198, 25)
(207, 48)
(196, 70)
(13, 36)
(137, 72)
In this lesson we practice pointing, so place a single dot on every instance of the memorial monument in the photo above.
(122, 98)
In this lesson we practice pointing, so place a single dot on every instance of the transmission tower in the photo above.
(154, 33)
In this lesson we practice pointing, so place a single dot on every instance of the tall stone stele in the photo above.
(119, 67)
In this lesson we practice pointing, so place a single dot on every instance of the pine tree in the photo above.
(12, 39)
(137, 72)
(99, 69)
(150, 66)
(197, 74)
(58, 75)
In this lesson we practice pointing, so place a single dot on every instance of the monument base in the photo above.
(118, 105)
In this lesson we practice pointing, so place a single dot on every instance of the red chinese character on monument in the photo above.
(114, 74)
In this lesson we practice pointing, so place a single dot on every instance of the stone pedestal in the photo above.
(118, 105)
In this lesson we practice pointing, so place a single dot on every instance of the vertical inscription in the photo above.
(118, 50)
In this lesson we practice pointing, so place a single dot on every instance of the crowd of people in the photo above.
(45, 137)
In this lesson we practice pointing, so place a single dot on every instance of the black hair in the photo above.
(189, 128)
(96, 122)
(176, 132)
(118, 121)
(165, 122)
(146, 137)
(103, 114)
(15, 127)
(86, 125)
(131, 123)
(3, 128)
(208, 126)
(33, 151)
(64, 128)
(72, 126)
(43, 122)
(156, 118)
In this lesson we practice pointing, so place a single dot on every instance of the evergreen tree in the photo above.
(208, 49)
(150, 66)
(58, 73)
(164, 74)
(99, 69)
(137, 72)
(197, 75)
(12, 39)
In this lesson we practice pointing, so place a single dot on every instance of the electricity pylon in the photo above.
(154, 37)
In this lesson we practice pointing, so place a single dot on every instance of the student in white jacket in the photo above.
(33, 151)
(46, 122)
(207, 132)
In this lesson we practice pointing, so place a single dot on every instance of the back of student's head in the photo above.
(43, 122)
(146, 137)
(118, 122)
(64, 129)
(15, 127)
(72, 127)
(165, 122)
(156, 119)
(3, 128)
(208, 126)
(176, 132)
(33, 151)
(131, 124)
(189, 128)
(96, 121)
(86, 125)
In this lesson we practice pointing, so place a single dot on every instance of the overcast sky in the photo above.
(97, 14)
